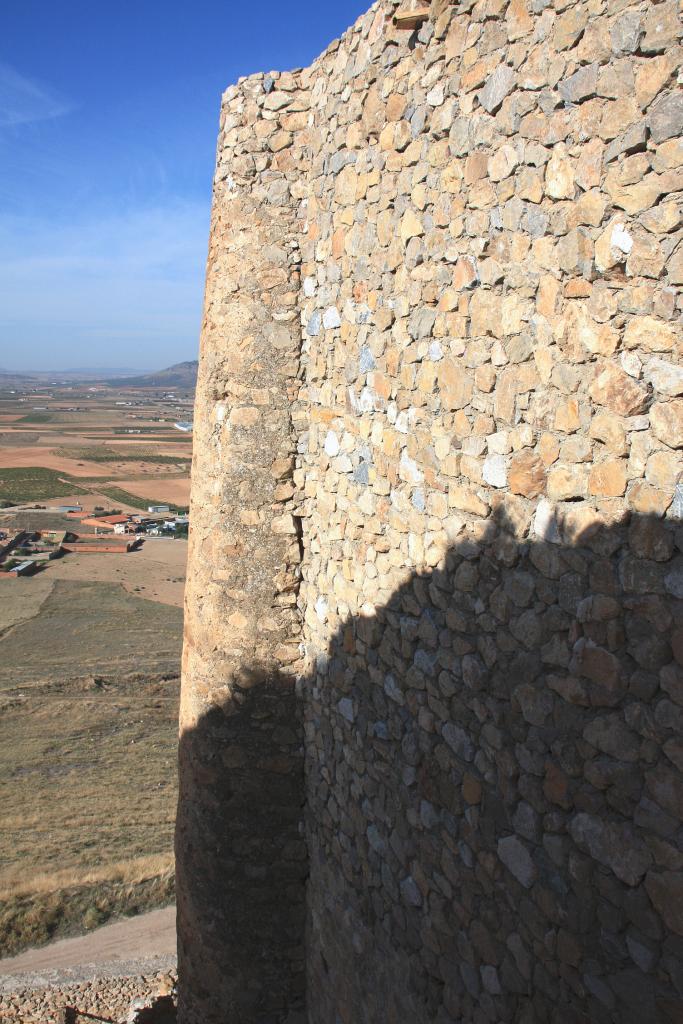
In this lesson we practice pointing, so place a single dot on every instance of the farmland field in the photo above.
(89, 440)
(89, 662)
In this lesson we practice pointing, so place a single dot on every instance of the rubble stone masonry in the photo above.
(434, 624)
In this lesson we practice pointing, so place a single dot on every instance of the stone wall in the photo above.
(240, 852)
(475, 408)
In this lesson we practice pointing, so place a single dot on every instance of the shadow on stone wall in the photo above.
(493, 799)
(241, 857)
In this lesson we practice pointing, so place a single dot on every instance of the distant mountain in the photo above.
(73, 374)
(181, 375)
(100, 371)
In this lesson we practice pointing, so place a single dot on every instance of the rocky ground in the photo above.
(140, 992)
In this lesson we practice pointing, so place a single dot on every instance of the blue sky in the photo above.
(108, 122)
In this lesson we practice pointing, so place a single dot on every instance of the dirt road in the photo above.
(145, 937)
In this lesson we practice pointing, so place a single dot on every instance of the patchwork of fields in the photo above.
(89, 440)
(89, 666)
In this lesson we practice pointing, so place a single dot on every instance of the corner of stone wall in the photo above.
(240, 852)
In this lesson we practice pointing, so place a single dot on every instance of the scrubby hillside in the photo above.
(181, 375)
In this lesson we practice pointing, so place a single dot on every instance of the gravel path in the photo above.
(117, 946)
(99, 974)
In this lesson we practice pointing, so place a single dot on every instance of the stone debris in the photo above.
(135, 999)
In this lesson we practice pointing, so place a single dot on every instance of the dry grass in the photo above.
(88, 736)
(15, 884)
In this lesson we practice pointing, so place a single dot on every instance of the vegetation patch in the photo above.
(29, 919)
(125, 455)
(117, 494)
(24, 484)
(37, 417)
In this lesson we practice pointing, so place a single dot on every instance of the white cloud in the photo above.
(24, 100)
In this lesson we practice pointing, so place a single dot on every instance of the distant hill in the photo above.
(181, 375)
(71, 375)
(100, 371)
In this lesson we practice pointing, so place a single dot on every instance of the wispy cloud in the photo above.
(25, 100)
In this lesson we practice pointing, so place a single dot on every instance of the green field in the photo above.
(25, 484)
(108, 455)
(37, 417)
(118, 495)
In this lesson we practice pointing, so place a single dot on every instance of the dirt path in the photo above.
(138, 938)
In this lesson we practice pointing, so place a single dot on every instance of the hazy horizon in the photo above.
(107, 146)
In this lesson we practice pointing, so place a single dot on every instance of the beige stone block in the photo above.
(471, 468)
(345, 186)
(411, 226)
(284, 524)
(250, 516)
(650, 79)
(663, 470)
(338, 243)
(666, 420)
(566, 482)
(356, 138)
(649, 500)
(547, 295)
(589, 164)
(590, 209)
(454, 383)
(396, 104)
(485, 378)
(646, 258)
(456, 40)
(529, 185)
(548, 449)
(576, 448)
(464, 273)
(609, 429)
(238, 621)
(503, 162)
(636, 198)
(451, 178)
(505, 395)
(439, 154)
(613, 245)
(639, 451)
(527, 475)
(577, 288)
(669, 154)
(514, 314)
(596, 338)
(559, 174)
(567, 416)
(244, 416)
(465, 499)
(385, 227)
(476, 166)
(608, 479)
(461, 424)
(481, 195)
(484, 309)
(544, 252)
(518, 20)
(279, 141)
(569, 27)
(615, 390)
(662, 219)
(646, 332)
